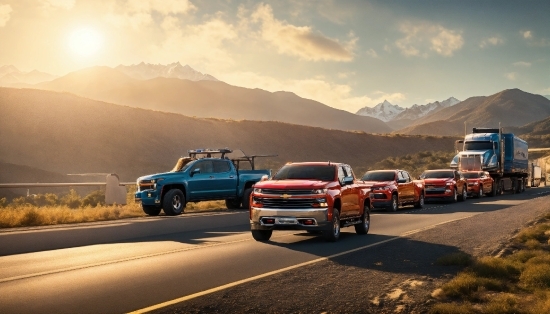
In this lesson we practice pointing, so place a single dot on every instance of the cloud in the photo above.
(5, 14)
(537, 42)
(512, 76)
(301, 41)
(202, 45)
(424, 37)
(50, 5)
(522, 64)
(493, 41)
(527, 34)
(331, 94)
(138, 13)
(372, 53)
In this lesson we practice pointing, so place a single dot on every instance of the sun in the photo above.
(85, 42)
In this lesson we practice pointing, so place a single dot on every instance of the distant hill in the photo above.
(10, 76)
(208, 99)
(512, 108)
(146, 71)
(64, 133)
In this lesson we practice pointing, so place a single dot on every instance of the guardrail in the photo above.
(115, 191)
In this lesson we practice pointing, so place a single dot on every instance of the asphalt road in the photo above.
(154, 262)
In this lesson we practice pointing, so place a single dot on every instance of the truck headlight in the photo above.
(319, 191)
(257, 190)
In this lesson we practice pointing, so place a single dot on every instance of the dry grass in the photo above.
(517, 283)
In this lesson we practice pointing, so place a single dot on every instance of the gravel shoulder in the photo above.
(395, 277)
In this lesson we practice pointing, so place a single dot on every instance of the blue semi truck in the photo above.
(205, 175)
(503, 155)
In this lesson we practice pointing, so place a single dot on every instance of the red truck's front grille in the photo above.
(287, 203)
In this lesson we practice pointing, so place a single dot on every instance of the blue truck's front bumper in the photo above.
(147, 197)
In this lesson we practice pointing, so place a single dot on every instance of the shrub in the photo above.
(3, 202)
(94, 199)
(494, 267)
(455, 259)
(452, 308)
(468, 284)
(503, 304)
(71, 200)
(536, 275)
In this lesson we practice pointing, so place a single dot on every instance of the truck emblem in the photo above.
(285, 196)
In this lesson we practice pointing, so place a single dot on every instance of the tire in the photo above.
(333, 234)
(464, 195)
(421, 201)
(493, 189)
(480, 194)
(262, 235)
(232, 203)
(150, 210)
(394, 204)
(454, 198)
(364, 226)
(246, 198)
(173, 203)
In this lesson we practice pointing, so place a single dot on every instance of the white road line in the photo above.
(271, 273)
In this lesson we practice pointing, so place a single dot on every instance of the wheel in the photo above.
(262, 235)
(394, 203)
(246, 198)
(494, 189)
(151, 210)
(364, 226)
(500, 187)
(173, 202)
(232, 203)
(463, 195)
(420, 203)
(480, 194)
(334, 233)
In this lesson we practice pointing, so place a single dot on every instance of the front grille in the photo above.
(287, 203)
(289, 192)
(435, 191)
(380, 196)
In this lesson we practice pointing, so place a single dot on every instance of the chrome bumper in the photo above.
(296, 219)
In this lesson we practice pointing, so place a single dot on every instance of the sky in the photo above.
(346, 54)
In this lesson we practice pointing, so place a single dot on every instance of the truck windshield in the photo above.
(379, 176)
(485, 145)
(308, 172)
(437, 175)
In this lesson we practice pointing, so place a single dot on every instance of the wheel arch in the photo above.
(169, 187)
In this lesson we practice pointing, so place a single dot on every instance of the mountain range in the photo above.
(146, 71)
(508, 108)
(63, 133)
(399, 117)
(208, 99)
(10, 75)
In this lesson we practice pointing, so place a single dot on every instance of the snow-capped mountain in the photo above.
(384, 111)
(145, 71)
(418, 111)
(387, 112)
(10, 75)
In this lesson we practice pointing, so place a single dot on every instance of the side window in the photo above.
(221, 166)
(205, 166)
(400, 175)
(349, 172)
(406, 176)
(341, 174)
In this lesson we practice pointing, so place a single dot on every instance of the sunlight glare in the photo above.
(85, 42)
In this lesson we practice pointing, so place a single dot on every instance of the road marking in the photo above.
(271, 273)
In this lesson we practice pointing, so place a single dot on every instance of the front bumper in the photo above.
(147, 197)
(381, 199)
(289, 219)
(439, 193)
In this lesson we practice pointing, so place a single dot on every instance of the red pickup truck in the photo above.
(391, 188)
(313, 196)
(445, 184)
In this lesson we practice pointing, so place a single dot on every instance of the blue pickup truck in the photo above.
(200, 177)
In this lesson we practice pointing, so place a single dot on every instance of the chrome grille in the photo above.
(287, 203)
(289, 192)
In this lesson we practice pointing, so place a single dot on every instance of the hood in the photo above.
(291, 184)
(163, 175)
(377, 183)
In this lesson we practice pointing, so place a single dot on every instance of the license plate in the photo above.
(287, 221)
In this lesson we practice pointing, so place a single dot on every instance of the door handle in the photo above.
(231, 177)
(211, 177)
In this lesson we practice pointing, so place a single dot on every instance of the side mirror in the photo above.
(348, 180)
(265, 177)
(195, 171)
(402, 181)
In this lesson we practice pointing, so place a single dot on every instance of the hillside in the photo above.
(64, 133)
(208, 99)
(511, 108)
